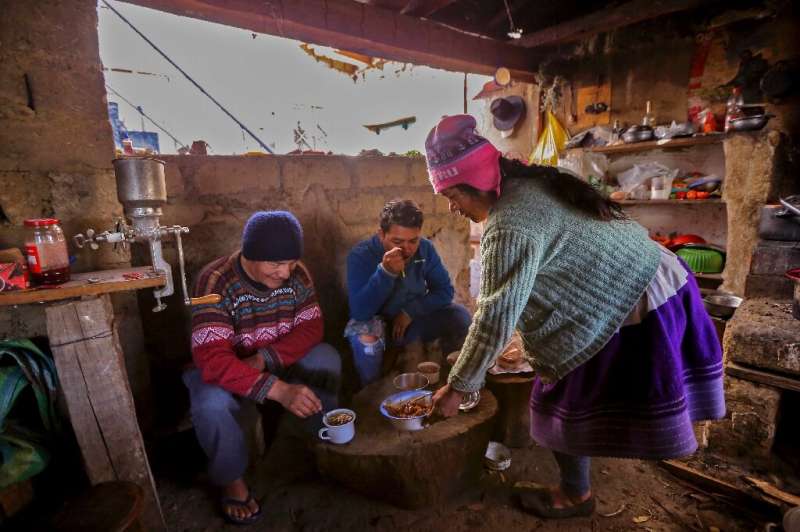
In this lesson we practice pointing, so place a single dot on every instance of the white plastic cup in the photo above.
(338, 434)
(660, 188)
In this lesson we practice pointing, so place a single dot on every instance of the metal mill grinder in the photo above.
(142, 190)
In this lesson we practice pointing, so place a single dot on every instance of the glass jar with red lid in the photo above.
(46, 248)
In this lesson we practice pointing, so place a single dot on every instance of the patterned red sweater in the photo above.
(281, 324)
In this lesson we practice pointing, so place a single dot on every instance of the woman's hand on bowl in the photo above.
(446, 400)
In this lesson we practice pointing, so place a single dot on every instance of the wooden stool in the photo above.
(513, 392)
(409, 469)
(106, 507)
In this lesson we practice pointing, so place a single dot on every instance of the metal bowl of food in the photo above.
(407, 410)
(722, 305)
(410, 381)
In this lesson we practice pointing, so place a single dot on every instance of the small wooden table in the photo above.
(409, 469)
(91, 372)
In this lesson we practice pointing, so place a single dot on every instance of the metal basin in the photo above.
(410, 381)
(722, 305)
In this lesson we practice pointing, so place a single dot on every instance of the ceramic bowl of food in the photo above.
(407, 410)
(410, 381)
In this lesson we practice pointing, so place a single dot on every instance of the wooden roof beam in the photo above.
(605, 20)
(424, 8)
(361, 28)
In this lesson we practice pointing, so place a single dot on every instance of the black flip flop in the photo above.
(227, 501)
(540, 503)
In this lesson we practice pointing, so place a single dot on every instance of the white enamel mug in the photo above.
(338, 434)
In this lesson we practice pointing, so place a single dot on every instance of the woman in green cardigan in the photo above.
(613, 324)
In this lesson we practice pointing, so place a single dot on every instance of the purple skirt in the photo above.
(638, 396)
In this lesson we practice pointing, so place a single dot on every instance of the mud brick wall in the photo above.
(754, 174)
(748, 428)
(336, 198)
(56, 149)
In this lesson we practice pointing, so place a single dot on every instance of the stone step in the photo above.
(763, 334)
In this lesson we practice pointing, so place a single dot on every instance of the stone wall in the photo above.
(56, 149)
(752, 177)
(336, 198)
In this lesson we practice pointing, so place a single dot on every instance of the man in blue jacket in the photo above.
(399, 288)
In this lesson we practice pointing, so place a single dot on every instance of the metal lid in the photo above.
(41, 222)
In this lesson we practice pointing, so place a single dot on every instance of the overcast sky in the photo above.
(270, 84)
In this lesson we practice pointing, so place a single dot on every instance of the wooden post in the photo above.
(91, 371)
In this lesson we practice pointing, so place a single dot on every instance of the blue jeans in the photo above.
(574, 473)
(215, 410)
(449, 325)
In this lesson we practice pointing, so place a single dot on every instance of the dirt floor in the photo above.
(632, 495)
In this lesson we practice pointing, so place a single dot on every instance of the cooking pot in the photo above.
(637, 133)
(750, 123)
(779, 223)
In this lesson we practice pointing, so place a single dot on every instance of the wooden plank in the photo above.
(605, 20)
(772, 491)
(715, 485)
(590, 95)
(671, 144)
(98, 397)
(710, 201)
(62, 328)
(762, 377)
(424, 8)
(102, 282)
(365, 29)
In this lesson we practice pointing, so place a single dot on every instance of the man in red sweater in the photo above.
(262, 341)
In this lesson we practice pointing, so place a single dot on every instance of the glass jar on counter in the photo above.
(46, 248)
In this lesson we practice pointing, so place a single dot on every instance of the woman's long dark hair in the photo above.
(567, 188)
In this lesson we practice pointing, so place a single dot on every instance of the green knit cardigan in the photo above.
(566, 281)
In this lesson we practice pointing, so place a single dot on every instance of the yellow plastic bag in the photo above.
(552, 141)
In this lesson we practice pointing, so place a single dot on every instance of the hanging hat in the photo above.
(507, 112)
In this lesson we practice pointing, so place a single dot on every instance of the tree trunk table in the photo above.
(409, 469)
(513, 392)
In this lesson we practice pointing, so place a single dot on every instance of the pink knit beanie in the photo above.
(458, 155)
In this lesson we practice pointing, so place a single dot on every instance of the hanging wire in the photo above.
(187, 76)
(141, 111)
(513, 31)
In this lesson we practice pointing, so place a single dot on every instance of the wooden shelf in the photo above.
(88, 284)
(670, 144)
(710, 201)
(709, 276)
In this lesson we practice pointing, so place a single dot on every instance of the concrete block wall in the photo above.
(336, 198)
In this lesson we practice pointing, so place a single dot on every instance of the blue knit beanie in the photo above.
(272, 236)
